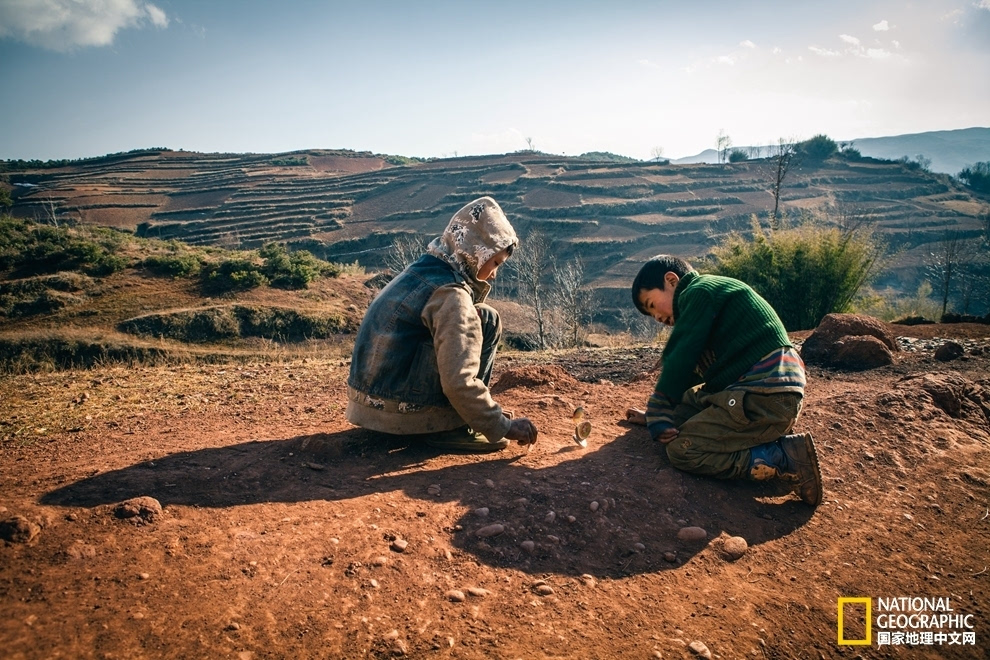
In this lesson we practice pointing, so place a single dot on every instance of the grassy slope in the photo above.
(73, 317)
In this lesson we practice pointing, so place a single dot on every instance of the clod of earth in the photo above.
(145, 509)
(18, 529)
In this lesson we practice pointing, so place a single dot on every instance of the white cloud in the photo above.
(883, 26)
(777, 50)
(849, 39)
(824, 52)
(953, 16)
(725, 59)
(648, 64)
(983, 4)
(877, 53)
(897, 44)
(749, 44)
(157, 16)
(63, 25)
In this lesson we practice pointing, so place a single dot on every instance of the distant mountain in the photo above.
(706, 156)
(949, 151)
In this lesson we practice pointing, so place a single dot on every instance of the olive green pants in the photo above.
(716, 431)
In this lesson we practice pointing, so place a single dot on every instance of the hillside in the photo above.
(347, 206)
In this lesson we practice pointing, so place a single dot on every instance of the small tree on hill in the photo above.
(781, 158)
(977, 176)
(943, 265)
(817, 149)
(572, 300)
(738, 156)
(722, 144)
(527, 267)
(405, 249)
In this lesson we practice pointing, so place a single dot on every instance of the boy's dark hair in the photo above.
(650, 276)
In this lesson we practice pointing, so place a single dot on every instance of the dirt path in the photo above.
(287, 533)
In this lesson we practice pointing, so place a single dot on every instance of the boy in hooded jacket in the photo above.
(424, 353)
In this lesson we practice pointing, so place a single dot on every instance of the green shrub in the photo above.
(291, 270)
(172, 265)
(215, 324)
(893, 306)
(805, 272)
(817, 148)
(290, 161)
(28, 248)
(738, 156)
(977, 176)
(231, 275)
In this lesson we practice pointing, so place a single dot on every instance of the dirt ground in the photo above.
(286, 533)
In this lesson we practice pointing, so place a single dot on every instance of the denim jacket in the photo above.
(394, 357)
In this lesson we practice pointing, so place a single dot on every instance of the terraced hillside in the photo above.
(349, 206)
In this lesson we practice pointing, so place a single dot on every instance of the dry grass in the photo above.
(34, 407)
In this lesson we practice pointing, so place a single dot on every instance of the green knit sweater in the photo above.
(721, 329)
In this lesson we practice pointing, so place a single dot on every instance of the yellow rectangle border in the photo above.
(869, 622)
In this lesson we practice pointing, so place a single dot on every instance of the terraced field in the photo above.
(348, 206)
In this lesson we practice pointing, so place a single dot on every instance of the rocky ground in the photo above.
(225, 511)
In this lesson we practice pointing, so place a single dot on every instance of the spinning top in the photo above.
(581, 433)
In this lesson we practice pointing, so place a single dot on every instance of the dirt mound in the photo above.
(832, 343)
(550, 376)
(955, 395)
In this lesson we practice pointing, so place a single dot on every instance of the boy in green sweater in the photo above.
(732, 383)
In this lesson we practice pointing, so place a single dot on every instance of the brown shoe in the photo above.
(465, 440)
(802, 460)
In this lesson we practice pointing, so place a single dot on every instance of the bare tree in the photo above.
(529, 144)
(943, 263)
(723, 143)
(528, 266)
(656, 154)
(572, 300)
(974, 285)
(984, 219)
(51, 210)
(406, 248)
(781, 158)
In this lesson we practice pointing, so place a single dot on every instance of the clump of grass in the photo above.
(28, 248)
(173, 265)
(226, 322)
(51, 352)
(42, 294)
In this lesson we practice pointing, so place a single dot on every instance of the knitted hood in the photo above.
(471, 238)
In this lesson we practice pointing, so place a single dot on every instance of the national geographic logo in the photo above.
(903, 621)
(867, 637)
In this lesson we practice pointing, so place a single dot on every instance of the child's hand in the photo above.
(667, 435)
(636, 416)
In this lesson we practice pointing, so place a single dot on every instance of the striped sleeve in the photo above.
(659, 413)
(781, 370)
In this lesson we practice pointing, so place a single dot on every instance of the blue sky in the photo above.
(83, 78)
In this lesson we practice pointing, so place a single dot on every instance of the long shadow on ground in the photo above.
(614, 511)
